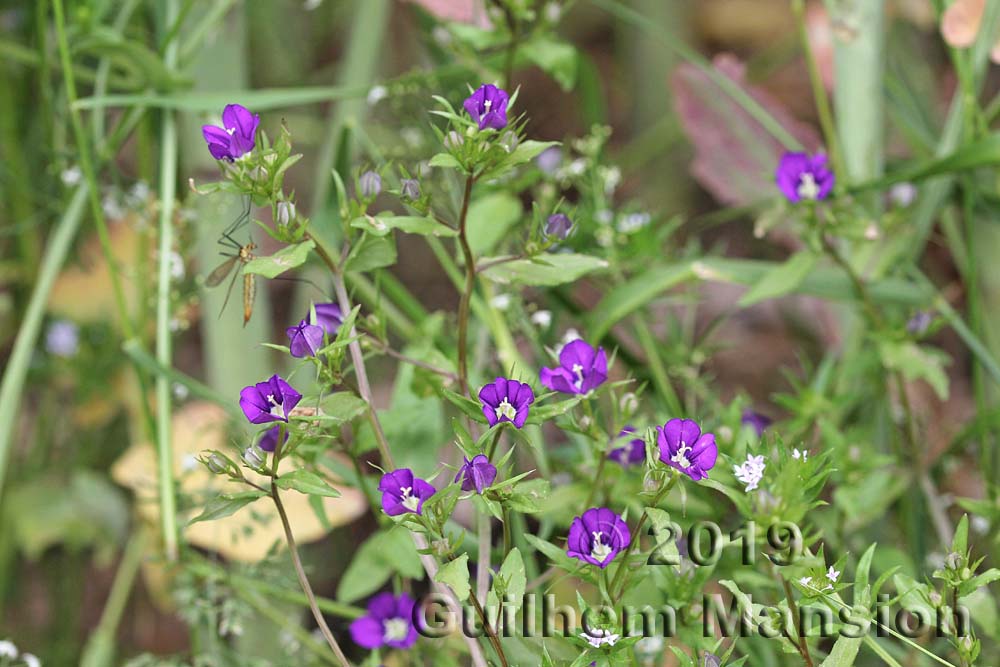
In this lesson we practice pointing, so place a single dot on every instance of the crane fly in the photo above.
(240, 255)
(243, 255)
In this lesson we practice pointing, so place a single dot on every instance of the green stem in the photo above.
(291, 626)
(164, 340)
(303, 580)
(634, 541)
(470, 281)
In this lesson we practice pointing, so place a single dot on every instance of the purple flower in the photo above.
(409, 188)
(755, 419)
(597, 536)
(632, 453)
(558, 225)
(685, 447)
(477, 474)
(549, 159)
(237, 135)
(801, 176)
(269, 441)
(580, 369)
(506, 401)
(488, 107)
(269, 401)
(304, 340)
(328, 316)
(402, 492)
(389, 622)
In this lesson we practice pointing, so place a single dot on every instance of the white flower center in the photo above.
(578, 372)
(680, 457)
(600, 551)
(395, 629)
(231, 130)
(487, 104)
(505, 409)
(409, 501)
(808, 188)
(276, 409)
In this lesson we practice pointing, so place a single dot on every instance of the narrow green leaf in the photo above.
(547, 270)
(781, 279)
(383, 224)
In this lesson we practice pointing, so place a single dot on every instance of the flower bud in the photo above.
(286, 212)
(410, 189)
(935, 598)
(216, 464)
(253, 457)
(558, 226)
(370, 184)
(258, 174)
(628, 403)
(453, 140)
(509, 141)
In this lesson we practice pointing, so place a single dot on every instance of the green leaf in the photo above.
(546, 270)
(510, 582)
(455, 574)
(343, 406)
(845, 650)
(960, 543)
(553, 553)
(445, 161)
(490, 219)
(527, 151)
(287, 258)
(556, 58)
(664, 529)
(983, 152)
(917, 362)
(781, 280)
(372, 252)
(227, 504)
(382, 224)
(307, 482)
(376, 560)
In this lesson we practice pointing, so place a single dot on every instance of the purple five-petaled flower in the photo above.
(801, 176)
(488, 107)
(269, 441)
(389, 622)
(506, 401)
(581, 368)
(237, 135)
(755, 420)
(476, 474)
(597, 536)
(685, 447)
(304, 339)
(632, 453)
(402, 492)
(269, 401)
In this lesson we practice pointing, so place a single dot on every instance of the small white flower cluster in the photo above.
(598, 637)
(750, 472)
(800, 455)
(9, 650)
(831, 574)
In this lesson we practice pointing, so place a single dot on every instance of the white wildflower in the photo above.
(31, 660)
(542, 318)
(71, 176)
(903, 194)
(500, 301)
(802, 455)
(598, 637)
(750, 472)
(832, 574)
(62, 338)
(7, 649)
(980, 524)
(633, 222)
(176, 266)
(577, 167)
(806, 581)
(376, 95)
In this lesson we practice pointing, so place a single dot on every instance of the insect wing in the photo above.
(221, 271)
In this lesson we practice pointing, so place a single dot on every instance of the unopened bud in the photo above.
(253, 456)
(628, 403)
(216, 464)
(558, 226)
(286, 212)
(410, 189)
(509, 141)
(453, 140)
(370, 184)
